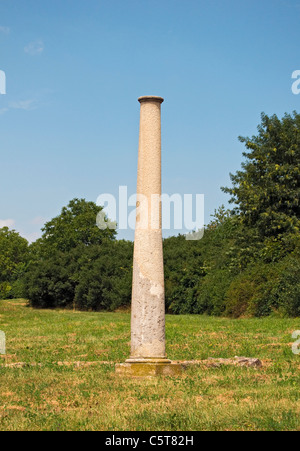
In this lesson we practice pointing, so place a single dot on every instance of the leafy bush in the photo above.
(265, 288)
(250, 293)
(94, 277)
(49, 283)
(14, 255)
(286, 292)
(104, 281)
(211, 296)
(5, 290)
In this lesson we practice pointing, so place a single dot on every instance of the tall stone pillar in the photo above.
(148, 353)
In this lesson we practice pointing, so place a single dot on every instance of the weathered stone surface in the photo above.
(148, 347)
(144, 370)
(217, 363)
(148, 292)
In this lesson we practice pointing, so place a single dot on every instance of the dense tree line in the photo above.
(14, 256)
(75, 264)
(247, 263)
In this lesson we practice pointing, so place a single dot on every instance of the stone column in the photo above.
(148, 353)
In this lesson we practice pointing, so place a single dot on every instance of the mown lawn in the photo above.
(56, 393)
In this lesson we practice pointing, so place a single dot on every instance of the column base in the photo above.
(148, 368)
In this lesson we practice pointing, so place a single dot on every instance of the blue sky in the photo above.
(75, 68)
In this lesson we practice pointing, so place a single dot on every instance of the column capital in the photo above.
(150, 99)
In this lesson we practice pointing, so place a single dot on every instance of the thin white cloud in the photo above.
(34, 48)
(31, 237)
(4, 30)
(7, 223)
(26, 105)
(39, 220)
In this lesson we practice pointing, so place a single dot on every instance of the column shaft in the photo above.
(148, 353)
(148, 300)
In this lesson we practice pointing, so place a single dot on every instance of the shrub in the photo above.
(286, 292)
(212, 292)
(5, 290)
(265, 288)
(96, 277)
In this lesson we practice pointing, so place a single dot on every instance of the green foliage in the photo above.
(77, 264)
(13, 259)
(49, 282)
(5, 290)
(95, 277)
(104, 279)
(183, 268)
(196, 272)
(250, 293)
(13, 253)
(75, 225)
(286, 292)
(267, 190)
(266, 288)
(247, 263)
(211, 295)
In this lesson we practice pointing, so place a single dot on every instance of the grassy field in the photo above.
(66, 386)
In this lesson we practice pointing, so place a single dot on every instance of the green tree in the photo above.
(95, 277)
(13, 260)
(75, 225)
(183, 270)
(75, 263)
(267, 189)
(105, 276)
(13, 253)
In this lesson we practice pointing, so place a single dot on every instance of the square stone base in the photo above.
(148, 369)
